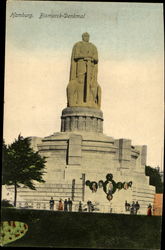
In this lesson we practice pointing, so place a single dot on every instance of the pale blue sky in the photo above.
(130, 42)
(133, 30)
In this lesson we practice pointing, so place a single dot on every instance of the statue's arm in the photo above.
(73, 64)
(73, 52)
(95, 55)
(76, 52)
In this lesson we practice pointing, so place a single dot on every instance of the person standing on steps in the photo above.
(89, 206)
(149, 210)
(60, 205)
(69, 205)
(80, 207)
(65, 205)
(51, 202)
(137, 207)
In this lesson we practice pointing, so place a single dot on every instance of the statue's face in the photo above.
(85, 37)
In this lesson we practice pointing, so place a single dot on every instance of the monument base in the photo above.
(81, 119)
(75, 157)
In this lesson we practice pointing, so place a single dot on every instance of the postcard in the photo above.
(83, 125)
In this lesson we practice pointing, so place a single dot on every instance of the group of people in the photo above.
(66, 205)
(90, 207)
(62, 206)
(133, 209)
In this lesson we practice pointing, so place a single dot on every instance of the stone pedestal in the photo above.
(82, 119)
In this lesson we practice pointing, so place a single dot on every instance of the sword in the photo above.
(87, 87)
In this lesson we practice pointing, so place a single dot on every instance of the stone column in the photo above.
(67, 124)
(80, 123)
(76, 122)
(125, 153)
(84, 123)
(88, 124)
(62, 124)
(95, 124)
(72, 123)
(99, 125)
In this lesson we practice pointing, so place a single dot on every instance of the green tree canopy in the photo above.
(155, 178)
(21, 165)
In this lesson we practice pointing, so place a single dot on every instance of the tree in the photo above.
(155, 178)
(21, 165)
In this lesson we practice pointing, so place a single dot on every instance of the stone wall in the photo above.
(71, 154)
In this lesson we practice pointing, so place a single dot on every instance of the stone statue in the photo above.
(83, 88)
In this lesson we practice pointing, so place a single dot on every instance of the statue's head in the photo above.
(85, 37)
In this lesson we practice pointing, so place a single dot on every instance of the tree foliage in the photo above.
(155, 178)
(21, 165)
(6, 203)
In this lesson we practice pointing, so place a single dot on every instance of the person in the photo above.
(83, 88)
(126, 206)
(60, 205)
(137, 206)
(80, 207)
(89, 206)
(51, 202)
(132, 210)
(149, 210)
(92, 207)
(69, 205)
(65, 205)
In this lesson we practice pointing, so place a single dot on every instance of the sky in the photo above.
(129, 38)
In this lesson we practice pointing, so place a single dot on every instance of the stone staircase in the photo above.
(44, 192)
(144, 196)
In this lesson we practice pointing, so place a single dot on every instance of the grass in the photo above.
(85, 230)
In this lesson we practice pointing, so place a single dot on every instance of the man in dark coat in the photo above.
(89, 206)
(65, 205)
(69, 205)
(137, 206)
(51, 202)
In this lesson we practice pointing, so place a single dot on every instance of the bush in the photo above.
(155, 178)
(6, 203)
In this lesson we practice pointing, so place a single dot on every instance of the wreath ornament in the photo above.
(93, 186)
(119, 185)
(109, 186)
(125, 185)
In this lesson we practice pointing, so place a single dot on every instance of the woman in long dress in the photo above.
(60, 205)
(149, 211)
